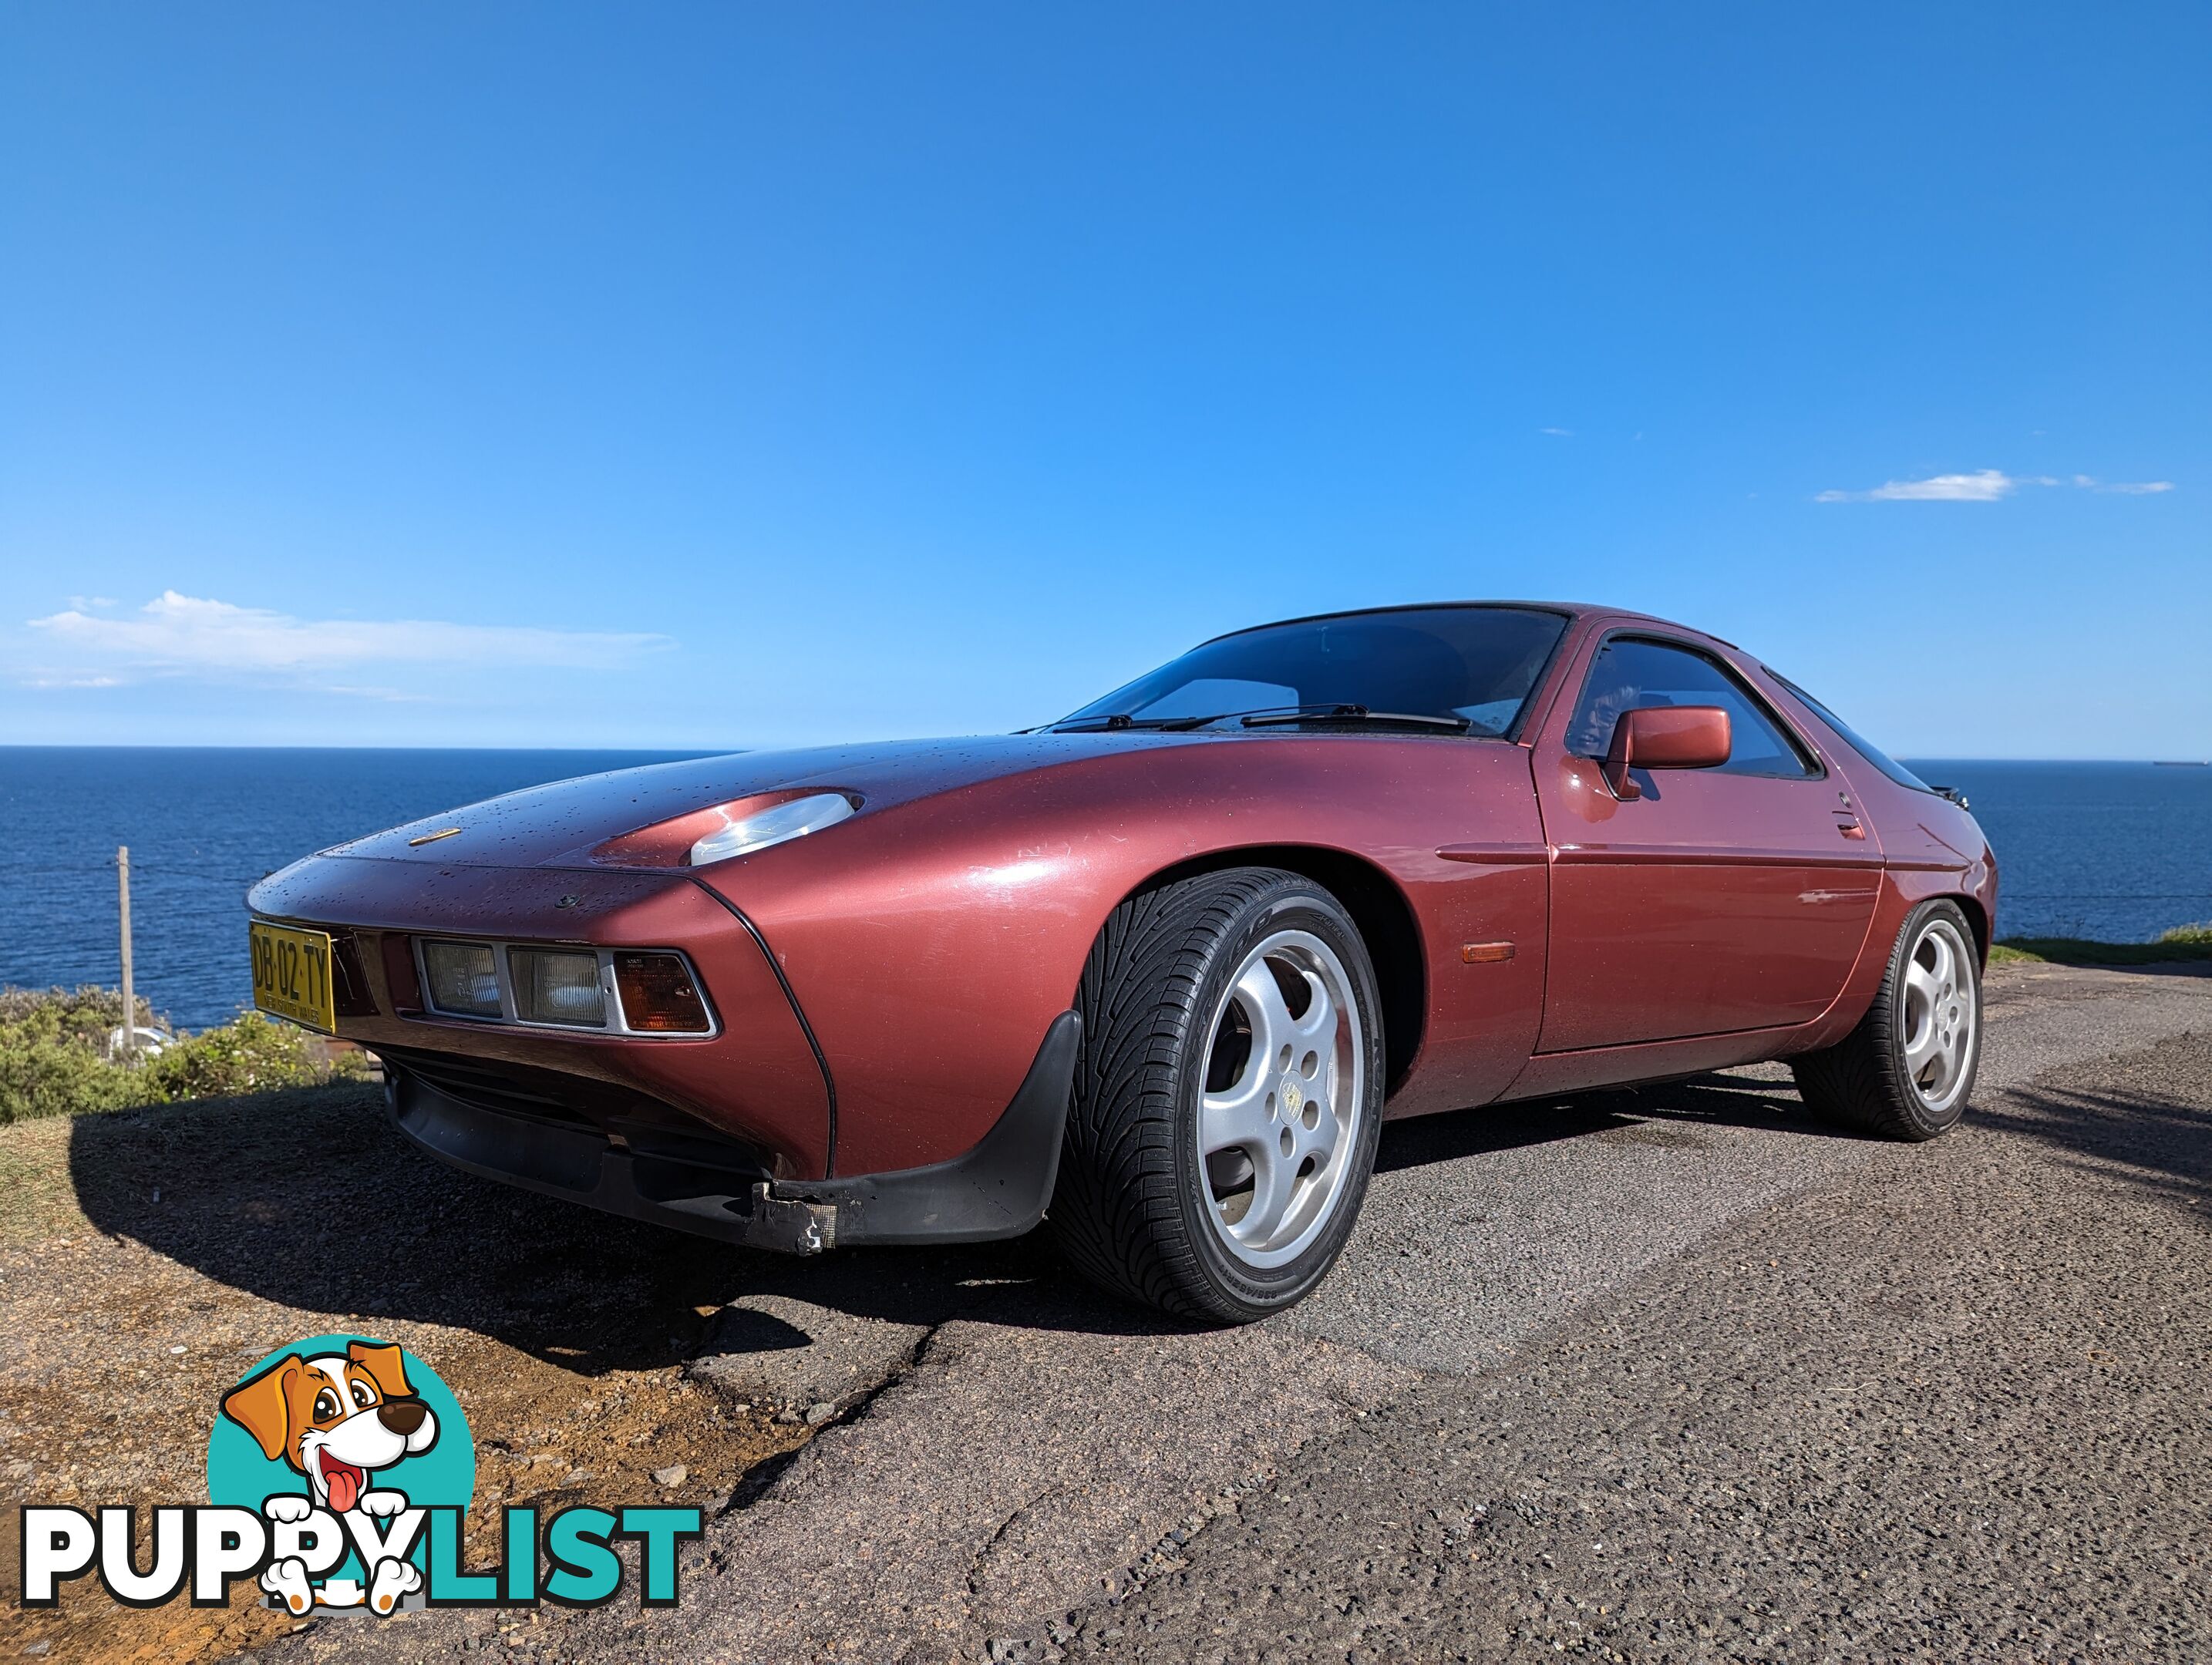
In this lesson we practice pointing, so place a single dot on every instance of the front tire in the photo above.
(1907, 1071)
(1228, 1098)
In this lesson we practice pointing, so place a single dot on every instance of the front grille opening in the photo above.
(646, 1125)
(349, 995)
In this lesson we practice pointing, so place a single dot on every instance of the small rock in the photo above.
(675, 1474)
(819, 1412)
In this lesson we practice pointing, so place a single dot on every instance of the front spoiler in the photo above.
(998, 1190)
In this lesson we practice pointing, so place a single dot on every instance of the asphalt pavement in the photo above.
(1950, 1410)
(1854, 1390)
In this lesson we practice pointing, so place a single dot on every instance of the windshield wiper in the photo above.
(1122, 720)
(1355, 714)
(1265, 717)
(1119, 721)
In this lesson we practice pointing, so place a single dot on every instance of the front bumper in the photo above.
(717, 1189)
(757, 1080)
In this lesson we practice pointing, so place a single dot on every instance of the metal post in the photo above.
(129, 1000)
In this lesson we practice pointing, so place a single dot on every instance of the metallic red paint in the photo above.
(910, 960)
(1680, 737)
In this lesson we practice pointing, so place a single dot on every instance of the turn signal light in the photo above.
(658, 994)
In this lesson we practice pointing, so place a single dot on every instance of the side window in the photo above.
(1632, 674)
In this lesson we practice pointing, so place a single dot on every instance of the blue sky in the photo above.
(710, 375)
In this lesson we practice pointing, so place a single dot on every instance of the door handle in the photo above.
(1850, 826)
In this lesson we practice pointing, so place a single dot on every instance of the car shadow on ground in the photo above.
(2160, 1141)
(1711, 1100)
(312, 1200)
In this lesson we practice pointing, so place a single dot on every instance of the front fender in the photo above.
(931, 945)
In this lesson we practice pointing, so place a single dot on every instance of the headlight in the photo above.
(463, 978)
(553, 987)
(762, 827)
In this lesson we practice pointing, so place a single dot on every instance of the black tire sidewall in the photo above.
(1238, 1288)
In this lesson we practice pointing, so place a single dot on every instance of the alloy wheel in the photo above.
(1280, 1114)
(1939, 1014)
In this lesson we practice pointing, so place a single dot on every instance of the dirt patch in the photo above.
(149, 1257)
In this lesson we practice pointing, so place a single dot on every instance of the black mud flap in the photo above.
(998, 1190)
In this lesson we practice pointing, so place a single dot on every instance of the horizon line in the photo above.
(721, 751)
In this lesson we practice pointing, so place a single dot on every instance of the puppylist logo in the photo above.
(339, 1470)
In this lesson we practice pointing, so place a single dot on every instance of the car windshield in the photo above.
(1468, 668)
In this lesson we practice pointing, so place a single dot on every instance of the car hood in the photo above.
(563, 821)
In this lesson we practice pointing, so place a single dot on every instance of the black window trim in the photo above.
(1807, 753)
(1851, 744)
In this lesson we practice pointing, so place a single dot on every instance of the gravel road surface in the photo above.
(1683, 1322)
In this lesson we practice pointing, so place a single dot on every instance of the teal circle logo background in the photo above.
(445, 1474)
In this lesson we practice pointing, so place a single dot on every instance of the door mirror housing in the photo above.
(1665, 737)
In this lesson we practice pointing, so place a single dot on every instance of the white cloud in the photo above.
(178, 633)
(390, 695)
(1985, 485)
(1564, 433)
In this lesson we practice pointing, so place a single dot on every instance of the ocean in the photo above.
(203, 824)
(2120, 851)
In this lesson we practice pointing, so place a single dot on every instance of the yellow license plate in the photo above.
(292, 974)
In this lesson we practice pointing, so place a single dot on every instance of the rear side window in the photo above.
(1633, 673)
(1879, 759)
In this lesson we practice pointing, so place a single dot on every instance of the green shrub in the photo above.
(87, 1015)
(53, 1057)
(2183, 944)
(250, 1054)
(46, 1077)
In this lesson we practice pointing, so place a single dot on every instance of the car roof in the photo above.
(1568, 610)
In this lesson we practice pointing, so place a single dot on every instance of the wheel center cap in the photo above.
(1294, 1099)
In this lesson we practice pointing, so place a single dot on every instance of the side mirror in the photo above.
(1665, 737)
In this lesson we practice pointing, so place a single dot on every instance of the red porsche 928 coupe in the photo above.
(1157, 974)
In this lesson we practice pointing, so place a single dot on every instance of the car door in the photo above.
(1720, 900)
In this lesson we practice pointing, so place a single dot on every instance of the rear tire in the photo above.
(1228, 1098)
(1907, 1071)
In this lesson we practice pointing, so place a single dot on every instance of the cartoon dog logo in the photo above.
(336, 1418)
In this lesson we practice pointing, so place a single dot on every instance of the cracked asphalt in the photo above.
(1667, 1375)
(1939, 1410)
